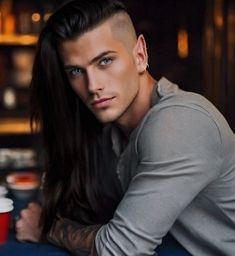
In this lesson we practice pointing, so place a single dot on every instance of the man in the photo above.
(129, 159)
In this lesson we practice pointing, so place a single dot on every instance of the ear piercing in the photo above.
(146, 66)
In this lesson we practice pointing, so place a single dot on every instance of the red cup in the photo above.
(6, 206)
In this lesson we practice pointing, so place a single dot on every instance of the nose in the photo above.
(94, 83)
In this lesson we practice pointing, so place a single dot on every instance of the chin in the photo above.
(107, 118)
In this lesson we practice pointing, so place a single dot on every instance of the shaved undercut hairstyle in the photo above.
(73, 177)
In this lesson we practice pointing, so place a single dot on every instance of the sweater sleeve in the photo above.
(178, 152)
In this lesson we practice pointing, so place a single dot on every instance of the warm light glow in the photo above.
(183, 43)
(18, 125)
(218, 15)
(9, 98)
(36, 17)
(219, 21)
(0, 22)
(46, 16)
(9, 24)
(13, 39)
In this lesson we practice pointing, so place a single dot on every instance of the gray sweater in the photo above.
(178, 175)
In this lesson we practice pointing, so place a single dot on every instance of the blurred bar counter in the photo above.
(15, 139)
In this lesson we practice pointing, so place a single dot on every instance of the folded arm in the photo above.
(74, 237)
(175, 149)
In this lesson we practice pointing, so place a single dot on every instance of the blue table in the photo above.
(15, 248)
(169, 247)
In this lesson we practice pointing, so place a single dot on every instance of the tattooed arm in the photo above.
(78, 239)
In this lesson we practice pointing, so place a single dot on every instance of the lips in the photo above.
(101, 103)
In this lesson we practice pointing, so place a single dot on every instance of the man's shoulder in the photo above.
(173, 107)
(169, 95)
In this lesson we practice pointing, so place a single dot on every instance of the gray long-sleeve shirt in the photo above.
(177, 174)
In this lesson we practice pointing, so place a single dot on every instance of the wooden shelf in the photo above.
(16, 39)
(15, 126)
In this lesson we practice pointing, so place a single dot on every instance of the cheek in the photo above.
(126, 66)
(129, 75)
(124, 72)
(79, 89)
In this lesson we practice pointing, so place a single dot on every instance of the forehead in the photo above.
(90, 44)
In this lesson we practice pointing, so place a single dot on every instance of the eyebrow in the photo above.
(100, 56)
(95, 59)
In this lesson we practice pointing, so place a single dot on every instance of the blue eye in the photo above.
(105, 61)
(75, 72)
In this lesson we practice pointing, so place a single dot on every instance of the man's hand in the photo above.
(27, 226)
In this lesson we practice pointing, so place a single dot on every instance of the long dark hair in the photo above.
(70, 131)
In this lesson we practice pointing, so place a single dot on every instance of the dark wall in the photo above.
(160, 21)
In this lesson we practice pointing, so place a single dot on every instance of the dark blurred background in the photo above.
(191, 43)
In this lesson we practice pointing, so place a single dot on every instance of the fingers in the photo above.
(27, 226)
(32, 210)
(34, 207)
(23, 232)
(25, 213)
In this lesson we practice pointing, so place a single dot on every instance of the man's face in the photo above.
(103, 72)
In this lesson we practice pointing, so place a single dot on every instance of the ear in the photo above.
(140, 54)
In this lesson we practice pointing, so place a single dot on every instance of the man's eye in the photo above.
(105, 61)
(75, 72)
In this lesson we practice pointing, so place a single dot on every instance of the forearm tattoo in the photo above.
(78, 239)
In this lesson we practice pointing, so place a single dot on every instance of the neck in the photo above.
(139, 106)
